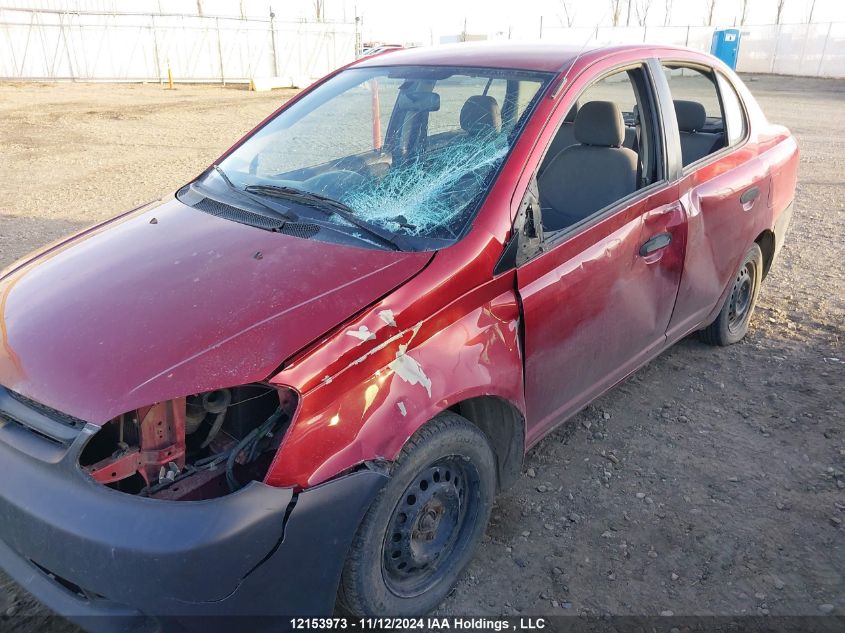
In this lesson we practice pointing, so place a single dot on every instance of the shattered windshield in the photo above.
(409, 150)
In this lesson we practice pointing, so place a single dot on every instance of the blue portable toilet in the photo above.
(725, 46)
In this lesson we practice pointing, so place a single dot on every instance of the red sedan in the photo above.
(300, 381)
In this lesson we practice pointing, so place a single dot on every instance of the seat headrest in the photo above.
(481, 114)
(691, 115)
(600, 123)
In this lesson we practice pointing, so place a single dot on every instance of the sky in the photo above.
(425, 21)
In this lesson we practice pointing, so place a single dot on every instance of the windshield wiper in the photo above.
(277, 213)
(327, 205)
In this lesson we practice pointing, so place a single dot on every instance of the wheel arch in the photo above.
(504, 425)
(766, 242)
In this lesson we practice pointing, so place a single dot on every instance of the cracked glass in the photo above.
(411, 150)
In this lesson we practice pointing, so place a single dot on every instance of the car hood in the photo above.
(169, 301)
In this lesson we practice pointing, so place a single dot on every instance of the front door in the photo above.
(595, 308)
(598, 299)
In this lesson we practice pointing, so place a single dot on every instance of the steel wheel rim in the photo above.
(429, 525)
(742, 295)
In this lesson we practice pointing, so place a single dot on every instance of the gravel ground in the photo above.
(712, 482)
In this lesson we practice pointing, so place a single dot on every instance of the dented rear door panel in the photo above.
(721, 229)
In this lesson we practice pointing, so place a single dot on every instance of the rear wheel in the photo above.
(426, 523)
(732, 323)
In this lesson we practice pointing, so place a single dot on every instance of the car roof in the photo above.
(526, 56)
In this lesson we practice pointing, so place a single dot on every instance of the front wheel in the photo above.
(425, 524)
(732, 323)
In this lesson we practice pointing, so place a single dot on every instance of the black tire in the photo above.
(732, 323)
(442, 484)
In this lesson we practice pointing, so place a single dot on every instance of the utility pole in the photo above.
(273, 43)
(358, 45)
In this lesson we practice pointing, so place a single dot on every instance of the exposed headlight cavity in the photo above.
(202, 446)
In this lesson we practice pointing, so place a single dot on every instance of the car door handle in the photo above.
(749, 197)
(662, 240)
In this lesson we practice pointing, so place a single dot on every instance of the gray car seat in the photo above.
(480, 117)
(592, 174)
(695, 144)
(564, 137)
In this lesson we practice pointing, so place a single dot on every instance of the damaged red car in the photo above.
(297, 384)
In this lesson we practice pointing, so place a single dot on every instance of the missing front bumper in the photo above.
(125, 563)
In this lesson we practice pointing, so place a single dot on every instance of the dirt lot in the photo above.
(711, 482)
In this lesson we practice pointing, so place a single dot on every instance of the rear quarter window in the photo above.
(735, 123)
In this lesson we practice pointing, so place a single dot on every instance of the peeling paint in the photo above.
(387, 317)
(410, 370)
(362, 333)
(401, 406)
(376, 349)
(381, 346)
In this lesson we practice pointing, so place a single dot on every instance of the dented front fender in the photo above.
(389, 372)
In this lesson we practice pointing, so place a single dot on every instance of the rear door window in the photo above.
(701, 123)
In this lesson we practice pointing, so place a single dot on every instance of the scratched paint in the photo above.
(380, 347)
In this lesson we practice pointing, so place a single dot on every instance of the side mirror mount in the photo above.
(529, 224)
(526, 239)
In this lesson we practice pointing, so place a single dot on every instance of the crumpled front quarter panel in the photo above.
(383, 389)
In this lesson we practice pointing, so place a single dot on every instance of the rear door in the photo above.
(724, 187)
(598, 298)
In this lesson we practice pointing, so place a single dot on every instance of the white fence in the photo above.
(100, 45)
(59, 45)
(816, 50)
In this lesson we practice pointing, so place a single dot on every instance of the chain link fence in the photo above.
(813, 50)
(54, 44)
(100, 46)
